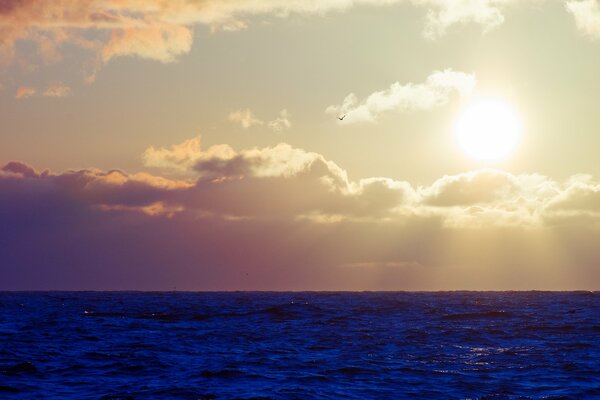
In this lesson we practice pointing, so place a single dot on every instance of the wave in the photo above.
(477, 315)
(281, 311)
(8, 389)
(25, 367)
(283, 346)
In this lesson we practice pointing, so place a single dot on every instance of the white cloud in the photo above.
(443, 14)
(222, 161)
(280, 123)
(587, 16)
(247, 119)
(582, 194)
(473, 199)
(434, 92)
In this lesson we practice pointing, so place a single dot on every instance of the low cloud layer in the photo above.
(285, 218)
(434, 92)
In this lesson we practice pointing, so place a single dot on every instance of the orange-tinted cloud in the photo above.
(58, 90)
(282, 172)
(294, 183)
(287, 218)
(163, 30)
(163, 43)
(24, 92)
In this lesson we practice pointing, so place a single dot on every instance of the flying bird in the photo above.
(342, 117)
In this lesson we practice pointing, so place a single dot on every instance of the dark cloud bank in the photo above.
(255, 220)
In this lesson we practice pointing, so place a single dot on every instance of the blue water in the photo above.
(512, 345)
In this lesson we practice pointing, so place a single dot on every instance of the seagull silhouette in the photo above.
(342, 117)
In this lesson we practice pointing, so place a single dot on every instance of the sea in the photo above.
(261, 345)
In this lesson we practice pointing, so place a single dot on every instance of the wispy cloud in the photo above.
(54, 90)
(163, 31)
(281, 123)
(587, 16)
(24, 92)
(161, 42)
(442, 14)
(434, 92)
(247, 119)
(58, 90)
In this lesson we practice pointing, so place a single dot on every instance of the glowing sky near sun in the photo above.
(371, 144)
(488, 130)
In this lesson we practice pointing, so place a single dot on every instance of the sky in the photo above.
(299, 145)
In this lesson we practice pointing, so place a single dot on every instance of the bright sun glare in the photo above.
(488, 130)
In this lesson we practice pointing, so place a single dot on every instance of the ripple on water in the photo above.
(299, 345)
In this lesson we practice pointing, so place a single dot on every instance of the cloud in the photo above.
(184, 156)
(58, 90)
(587, 16)
(19, 168)
(55, 90)
(443, 14)
(581, 195)
(246, 119)
(94, 187)
(471, 188)
(299, 183)
(24, 92)
(285, 218)
(162, 43)
(434, 92)
(163, 31)
(222, 161)
(280, 123)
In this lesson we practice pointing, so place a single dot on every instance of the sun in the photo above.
(488, 130)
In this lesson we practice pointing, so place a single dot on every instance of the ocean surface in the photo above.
(455, 345)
